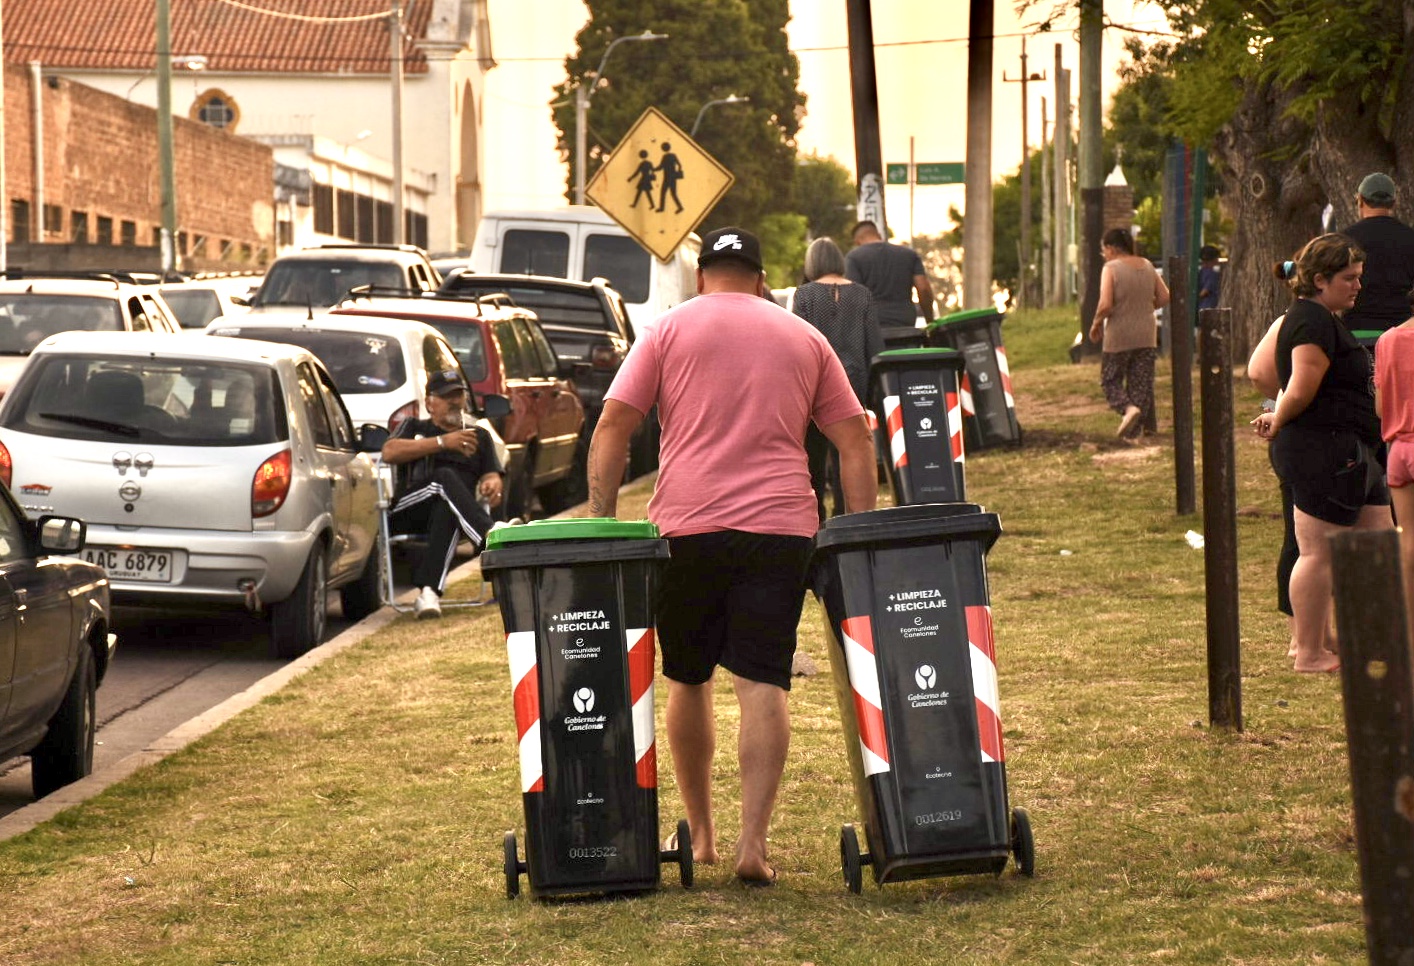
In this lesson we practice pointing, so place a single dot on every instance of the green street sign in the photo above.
(946, 172)
(896, 174)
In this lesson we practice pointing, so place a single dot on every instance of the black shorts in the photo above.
(733, 599)
(1332, 474)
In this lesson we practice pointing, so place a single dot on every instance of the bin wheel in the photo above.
(512, 866)
(849, 860)
(1023, 843)
(684, 853)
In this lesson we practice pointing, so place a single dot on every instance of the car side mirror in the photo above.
(494, 406)
(61, 534)
(371, 438)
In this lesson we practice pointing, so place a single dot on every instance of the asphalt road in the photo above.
(170, 667)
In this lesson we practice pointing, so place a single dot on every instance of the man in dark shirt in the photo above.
(450, 467)
(1209, 277)
(891, 273)
(1383, 301)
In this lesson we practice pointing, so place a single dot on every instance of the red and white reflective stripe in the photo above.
(893, 417)
(966, 393)
(639, 641)
(864, 681)
(1005, 370)
(525, 691)
(955, 428)
(984, 682)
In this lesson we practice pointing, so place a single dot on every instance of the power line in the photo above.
(296, 16)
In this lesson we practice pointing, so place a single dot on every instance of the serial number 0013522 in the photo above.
(595, 852)
(934, 818)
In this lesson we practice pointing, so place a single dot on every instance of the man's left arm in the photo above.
(924, 288)
(858, 475)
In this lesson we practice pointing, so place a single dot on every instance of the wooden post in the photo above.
(1181, 356)
(1378, 686)
(1220, 521)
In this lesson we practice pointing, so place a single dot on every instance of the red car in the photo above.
(504, 351)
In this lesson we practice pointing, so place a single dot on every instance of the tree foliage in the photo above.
(1297, 100)
(825, 195)
(715, 48)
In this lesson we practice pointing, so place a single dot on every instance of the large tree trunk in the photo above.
(1275, 203)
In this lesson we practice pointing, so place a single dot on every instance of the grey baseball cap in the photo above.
(1378, 190)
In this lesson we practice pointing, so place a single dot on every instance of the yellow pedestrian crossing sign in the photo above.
(658, 184)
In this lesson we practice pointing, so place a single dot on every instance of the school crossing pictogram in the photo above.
(658, 184)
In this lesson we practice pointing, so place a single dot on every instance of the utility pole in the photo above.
(1060, 184)
(395, 63)
(1046, 252)
(1092, 178)
(165, 147)
(1023, 268)
(977, 221)
(864, 89)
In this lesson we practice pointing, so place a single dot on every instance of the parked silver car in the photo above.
(208, 470)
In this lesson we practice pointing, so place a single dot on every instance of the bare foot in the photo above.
(755, 873)
(1323, 664)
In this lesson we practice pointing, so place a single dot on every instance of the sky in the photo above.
(921, 70)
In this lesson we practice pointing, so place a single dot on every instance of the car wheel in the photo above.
(298, 623)
(66, 753)
(362, 597)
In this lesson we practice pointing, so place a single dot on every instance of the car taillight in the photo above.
(400, 415)
(7, 466)
(604, 357)
(271, 485)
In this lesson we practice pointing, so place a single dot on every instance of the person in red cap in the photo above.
(737, 380)
(447, 471)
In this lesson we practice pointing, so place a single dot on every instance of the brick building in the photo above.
(314, 82)
(86, 192)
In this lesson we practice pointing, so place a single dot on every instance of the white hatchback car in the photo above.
(208, 471)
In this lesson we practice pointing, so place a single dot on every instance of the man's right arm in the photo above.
(858, 475)
(608, 454)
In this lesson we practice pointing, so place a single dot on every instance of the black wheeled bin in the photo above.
(914, 395)
(988, 409)
(910, 627)
(576, 597)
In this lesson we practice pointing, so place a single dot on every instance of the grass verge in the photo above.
(355, 817)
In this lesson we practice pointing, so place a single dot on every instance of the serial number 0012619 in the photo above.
(934, 818)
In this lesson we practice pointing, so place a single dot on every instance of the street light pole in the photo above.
(729, 99)
(395, 52)
(165, 147)
(582, 97)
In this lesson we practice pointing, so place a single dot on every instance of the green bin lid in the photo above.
(903, 358)
(582, 528)
(968, 315)
(1371, 334)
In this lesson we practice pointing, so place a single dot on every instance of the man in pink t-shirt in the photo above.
(737, 379)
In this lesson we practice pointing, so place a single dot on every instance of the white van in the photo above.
(581, 242)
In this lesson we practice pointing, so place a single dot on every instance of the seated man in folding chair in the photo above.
(444, 473)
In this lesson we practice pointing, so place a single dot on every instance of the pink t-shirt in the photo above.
(1394, 378)
(737, 380)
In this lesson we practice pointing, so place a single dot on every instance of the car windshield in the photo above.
(360, 362)
(129, 400)
(468, 342)
(324, 281)
(193, 306)
(623, 261)
(27, 319)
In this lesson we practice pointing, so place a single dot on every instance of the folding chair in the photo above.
(387, 539)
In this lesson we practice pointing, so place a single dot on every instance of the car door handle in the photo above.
(21, 596)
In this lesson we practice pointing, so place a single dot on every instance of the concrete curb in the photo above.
(24, 819)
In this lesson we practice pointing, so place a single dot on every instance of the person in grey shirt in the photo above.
(891, 273)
